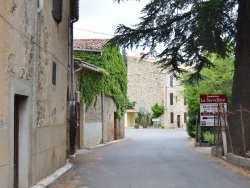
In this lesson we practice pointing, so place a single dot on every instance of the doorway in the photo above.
(16, 138)
(21, 142)
(178, 121)
(115, 126)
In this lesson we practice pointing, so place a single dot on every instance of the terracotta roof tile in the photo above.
(90, 44)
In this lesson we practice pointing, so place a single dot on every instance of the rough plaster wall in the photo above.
(5, 50)
(94, 112)
(145, 83)
(51, 100)
(53, 46)
(16, 63)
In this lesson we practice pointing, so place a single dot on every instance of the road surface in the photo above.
(149, 158)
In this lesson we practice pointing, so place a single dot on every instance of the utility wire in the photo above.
(94, 32)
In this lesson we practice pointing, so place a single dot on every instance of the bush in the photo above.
(191, 127)
(157, 110)
(143, 119)
(208, 136)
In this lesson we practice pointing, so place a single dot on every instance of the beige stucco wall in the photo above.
(5, 48)
(29, 43)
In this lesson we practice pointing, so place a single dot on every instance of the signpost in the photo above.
(209, 108)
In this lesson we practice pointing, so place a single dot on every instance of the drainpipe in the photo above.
(102, 104)
(73, 112)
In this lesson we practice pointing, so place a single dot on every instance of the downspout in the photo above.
(73, 112)
(102, 103)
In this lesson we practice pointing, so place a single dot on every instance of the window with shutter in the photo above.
(171, 99)
(172, 117)
(54, 73)
(57, 10)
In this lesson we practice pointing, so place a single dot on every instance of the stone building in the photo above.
(148, 84)
(98, 123)
(35, 56)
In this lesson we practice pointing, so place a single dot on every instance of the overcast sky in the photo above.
(103, 16)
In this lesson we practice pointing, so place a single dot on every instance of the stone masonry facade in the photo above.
(148, 84)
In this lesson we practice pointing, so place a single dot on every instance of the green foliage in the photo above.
(191, 126)
(131, 104)
(143, 119)
(160, 126)
(188, 29)
(114, 83)
(208, 136)
(90, 57)
(88, 92)
(157, 110)
(216, 80)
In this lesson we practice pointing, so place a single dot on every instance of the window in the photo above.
(185, 117)
(54, 73)
(171, 99)
(57, 10)
(171, 117)
(185, 102)
(171, 80)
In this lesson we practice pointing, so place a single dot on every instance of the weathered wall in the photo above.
(145, 83)
(5, 50)
(29, 43)
(51, 100)
(109, 119)
(91, 123)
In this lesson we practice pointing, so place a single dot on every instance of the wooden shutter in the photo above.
(57, 10)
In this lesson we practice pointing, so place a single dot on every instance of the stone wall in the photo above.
(148, 84)
(145, 83)
(91, 131)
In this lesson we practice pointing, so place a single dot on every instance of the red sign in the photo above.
(213, 98)
(209, 105)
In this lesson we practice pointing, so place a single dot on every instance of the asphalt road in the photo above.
(149, 158)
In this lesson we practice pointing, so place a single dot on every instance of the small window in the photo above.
(54, 73)
(57, 10)
(171, 99)
(185, 102)
(171, 80)
(172, 117)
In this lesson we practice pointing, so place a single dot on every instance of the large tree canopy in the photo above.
(189, 29)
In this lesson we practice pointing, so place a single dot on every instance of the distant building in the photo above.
(148, 84)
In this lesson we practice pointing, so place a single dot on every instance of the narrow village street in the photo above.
(160, 158)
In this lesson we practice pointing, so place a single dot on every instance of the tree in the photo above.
(218, 79)
(189, 29)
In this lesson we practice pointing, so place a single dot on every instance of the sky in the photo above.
(103, 16)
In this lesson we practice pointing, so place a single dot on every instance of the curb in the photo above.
(50, 179)
(107, 143)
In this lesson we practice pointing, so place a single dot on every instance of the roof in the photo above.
(89, 44)
(86, 66)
